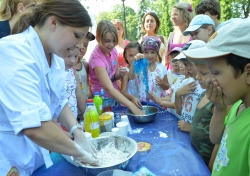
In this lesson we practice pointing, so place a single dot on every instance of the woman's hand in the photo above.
(85, 157)
(81, 140)
(187, 89)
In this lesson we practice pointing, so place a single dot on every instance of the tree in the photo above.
(143, 7)
(117, 13)
(226, 9)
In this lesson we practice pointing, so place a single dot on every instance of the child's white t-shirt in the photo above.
(190, 103)
(132, 86)
(179, 83)
(172, 77)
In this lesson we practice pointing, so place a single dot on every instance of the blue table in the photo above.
(171, 155)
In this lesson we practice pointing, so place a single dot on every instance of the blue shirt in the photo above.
(4, 29)
(31, 92)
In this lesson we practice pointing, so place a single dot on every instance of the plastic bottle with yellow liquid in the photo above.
(98, 102)
(91, 121)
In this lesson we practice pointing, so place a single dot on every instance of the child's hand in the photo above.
(183, 126)
(123, 71)
(214, 93)
(154, 98)
(159, 81)
(139, 56)
(187, 89)
(136, 102)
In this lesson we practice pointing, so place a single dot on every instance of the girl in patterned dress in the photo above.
(156, 71)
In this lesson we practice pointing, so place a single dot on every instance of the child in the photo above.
(129, 88)
(81, 66)
(174, 73)
(157, 72)
(103, 68)
(199, 130)
(227, 57)
(187, 97)
(201, 27)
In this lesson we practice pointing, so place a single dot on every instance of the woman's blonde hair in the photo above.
(186, 12)
(9, 7)
(117, 21)
(103, 27)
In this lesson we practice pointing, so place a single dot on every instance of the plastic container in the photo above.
(106, 105)
(106, 123)
(98, 103)
(102, 94)
(91, 121)
(117, 118)
(91, 101)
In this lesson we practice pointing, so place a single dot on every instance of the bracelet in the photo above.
(73, 128)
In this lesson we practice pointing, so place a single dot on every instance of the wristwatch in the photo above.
(75, 127)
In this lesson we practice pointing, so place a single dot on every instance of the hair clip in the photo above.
(190, 9)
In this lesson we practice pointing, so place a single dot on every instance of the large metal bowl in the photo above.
(152, 113)
(124, 144)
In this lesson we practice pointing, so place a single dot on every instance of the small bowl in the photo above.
(152, 113)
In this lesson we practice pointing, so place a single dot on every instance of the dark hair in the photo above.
(131, 45)
(211, 6)
(158, 23)
(238, 63)
(67, 12)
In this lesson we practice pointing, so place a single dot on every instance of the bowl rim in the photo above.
(145, 115)
(99, 167)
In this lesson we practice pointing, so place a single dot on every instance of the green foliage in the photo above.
(226, 9)
(117, 13)
(143, 8)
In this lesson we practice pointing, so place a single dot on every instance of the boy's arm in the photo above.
(80, 97)
(160, 101)
(212, 158)
(214, 94)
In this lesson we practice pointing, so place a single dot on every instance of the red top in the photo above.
(120, 50)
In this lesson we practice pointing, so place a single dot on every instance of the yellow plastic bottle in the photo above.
(91, 121)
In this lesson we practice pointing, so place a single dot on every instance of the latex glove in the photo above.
(84, 157)
(81, 140)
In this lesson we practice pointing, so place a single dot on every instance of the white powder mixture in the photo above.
(137, 130)
(109, 155)
(163, 135)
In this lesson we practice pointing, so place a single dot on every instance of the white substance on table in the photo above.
(163, 135)
(137, 130)
(109, 155)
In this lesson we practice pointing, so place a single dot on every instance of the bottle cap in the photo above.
(96, 93)
(89, 100)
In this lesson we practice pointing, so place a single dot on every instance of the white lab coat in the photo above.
(30, 92)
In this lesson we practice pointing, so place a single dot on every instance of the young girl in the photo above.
(103, 68)
(157, 72)
(129, 88)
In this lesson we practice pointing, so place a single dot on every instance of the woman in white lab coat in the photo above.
(32, 91)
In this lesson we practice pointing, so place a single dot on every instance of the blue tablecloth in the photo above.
(171, 151)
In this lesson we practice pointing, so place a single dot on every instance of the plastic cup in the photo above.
(124, 118)
(123, 128)
(115, 131)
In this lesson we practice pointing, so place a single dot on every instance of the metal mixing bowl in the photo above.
(122, 143)
(152, 113)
